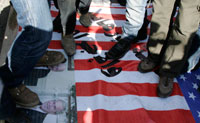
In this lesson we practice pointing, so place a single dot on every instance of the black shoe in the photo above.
(122, 2)
(165, 86)
(146, 66)
(119, 49)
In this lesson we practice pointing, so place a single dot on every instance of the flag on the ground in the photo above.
(129, 97)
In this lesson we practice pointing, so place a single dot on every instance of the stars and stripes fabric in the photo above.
(189, 84)
(130, 96)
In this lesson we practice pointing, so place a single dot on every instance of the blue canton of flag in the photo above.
(189, 84)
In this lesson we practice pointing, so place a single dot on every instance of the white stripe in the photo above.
(117, 23)
(53, 8)
(56, 36)
(123, 77)
(90, 37)
(129, 55)
(93, 4)
(130, 102)
(101, 10)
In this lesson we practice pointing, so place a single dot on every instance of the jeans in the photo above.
(135, 11)
(31, 43)
(194, 53)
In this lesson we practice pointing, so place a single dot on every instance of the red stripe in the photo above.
(56, 44)
(98, 29)
(101, 45)
(84, 64)
(108, 16)
(98, 15)
(119, 89)
(54, 13)
(135, 116)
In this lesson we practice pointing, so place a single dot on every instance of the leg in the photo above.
(135, 10)
(35, 19)
(181, 38)
(68, 20)
(160, 23)
(85, 18)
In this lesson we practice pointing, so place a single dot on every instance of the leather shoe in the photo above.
(165, 86)
(146, 66)
(24, 96)
(68, 44)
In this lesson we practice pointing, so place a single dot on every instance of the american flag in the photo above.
(189, 84)
(129, 97)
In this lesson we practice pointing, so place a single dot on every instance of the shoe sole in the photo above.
(143, 71)
(146, 71)
(52, 64)
(119, 57)
(28, 105)
(163, 95)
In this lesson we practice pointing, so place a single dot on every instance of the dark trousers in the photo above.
(26, 51)
(67, 13)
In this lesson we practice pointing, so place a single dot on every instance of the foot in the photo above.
(122, 2)
(165, 86)
(68, 44)
(146, 66)
(51, 58)
(119, 49)
(24, 96)
(85, 20)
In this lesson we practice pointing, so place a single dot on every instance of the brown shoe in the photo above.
(68, 44)
(24, 96)
(85, 20)
(165, 86)
(51, 58)
(146, 66)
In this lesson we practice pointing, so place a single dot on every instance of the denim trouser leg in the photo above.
(35, 19)
(195, 52)
(135, 11)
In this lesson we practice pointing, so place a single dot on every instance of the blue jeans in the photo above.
(194, 54)
(31, 43)
(135, 11)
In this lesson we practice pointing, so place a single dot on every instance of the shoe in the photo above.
(51, 58)
(68, 44)
(122, 2)
(24, 96)
(146, 66)
(165, 86)
(119, 49)
(85, 20)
